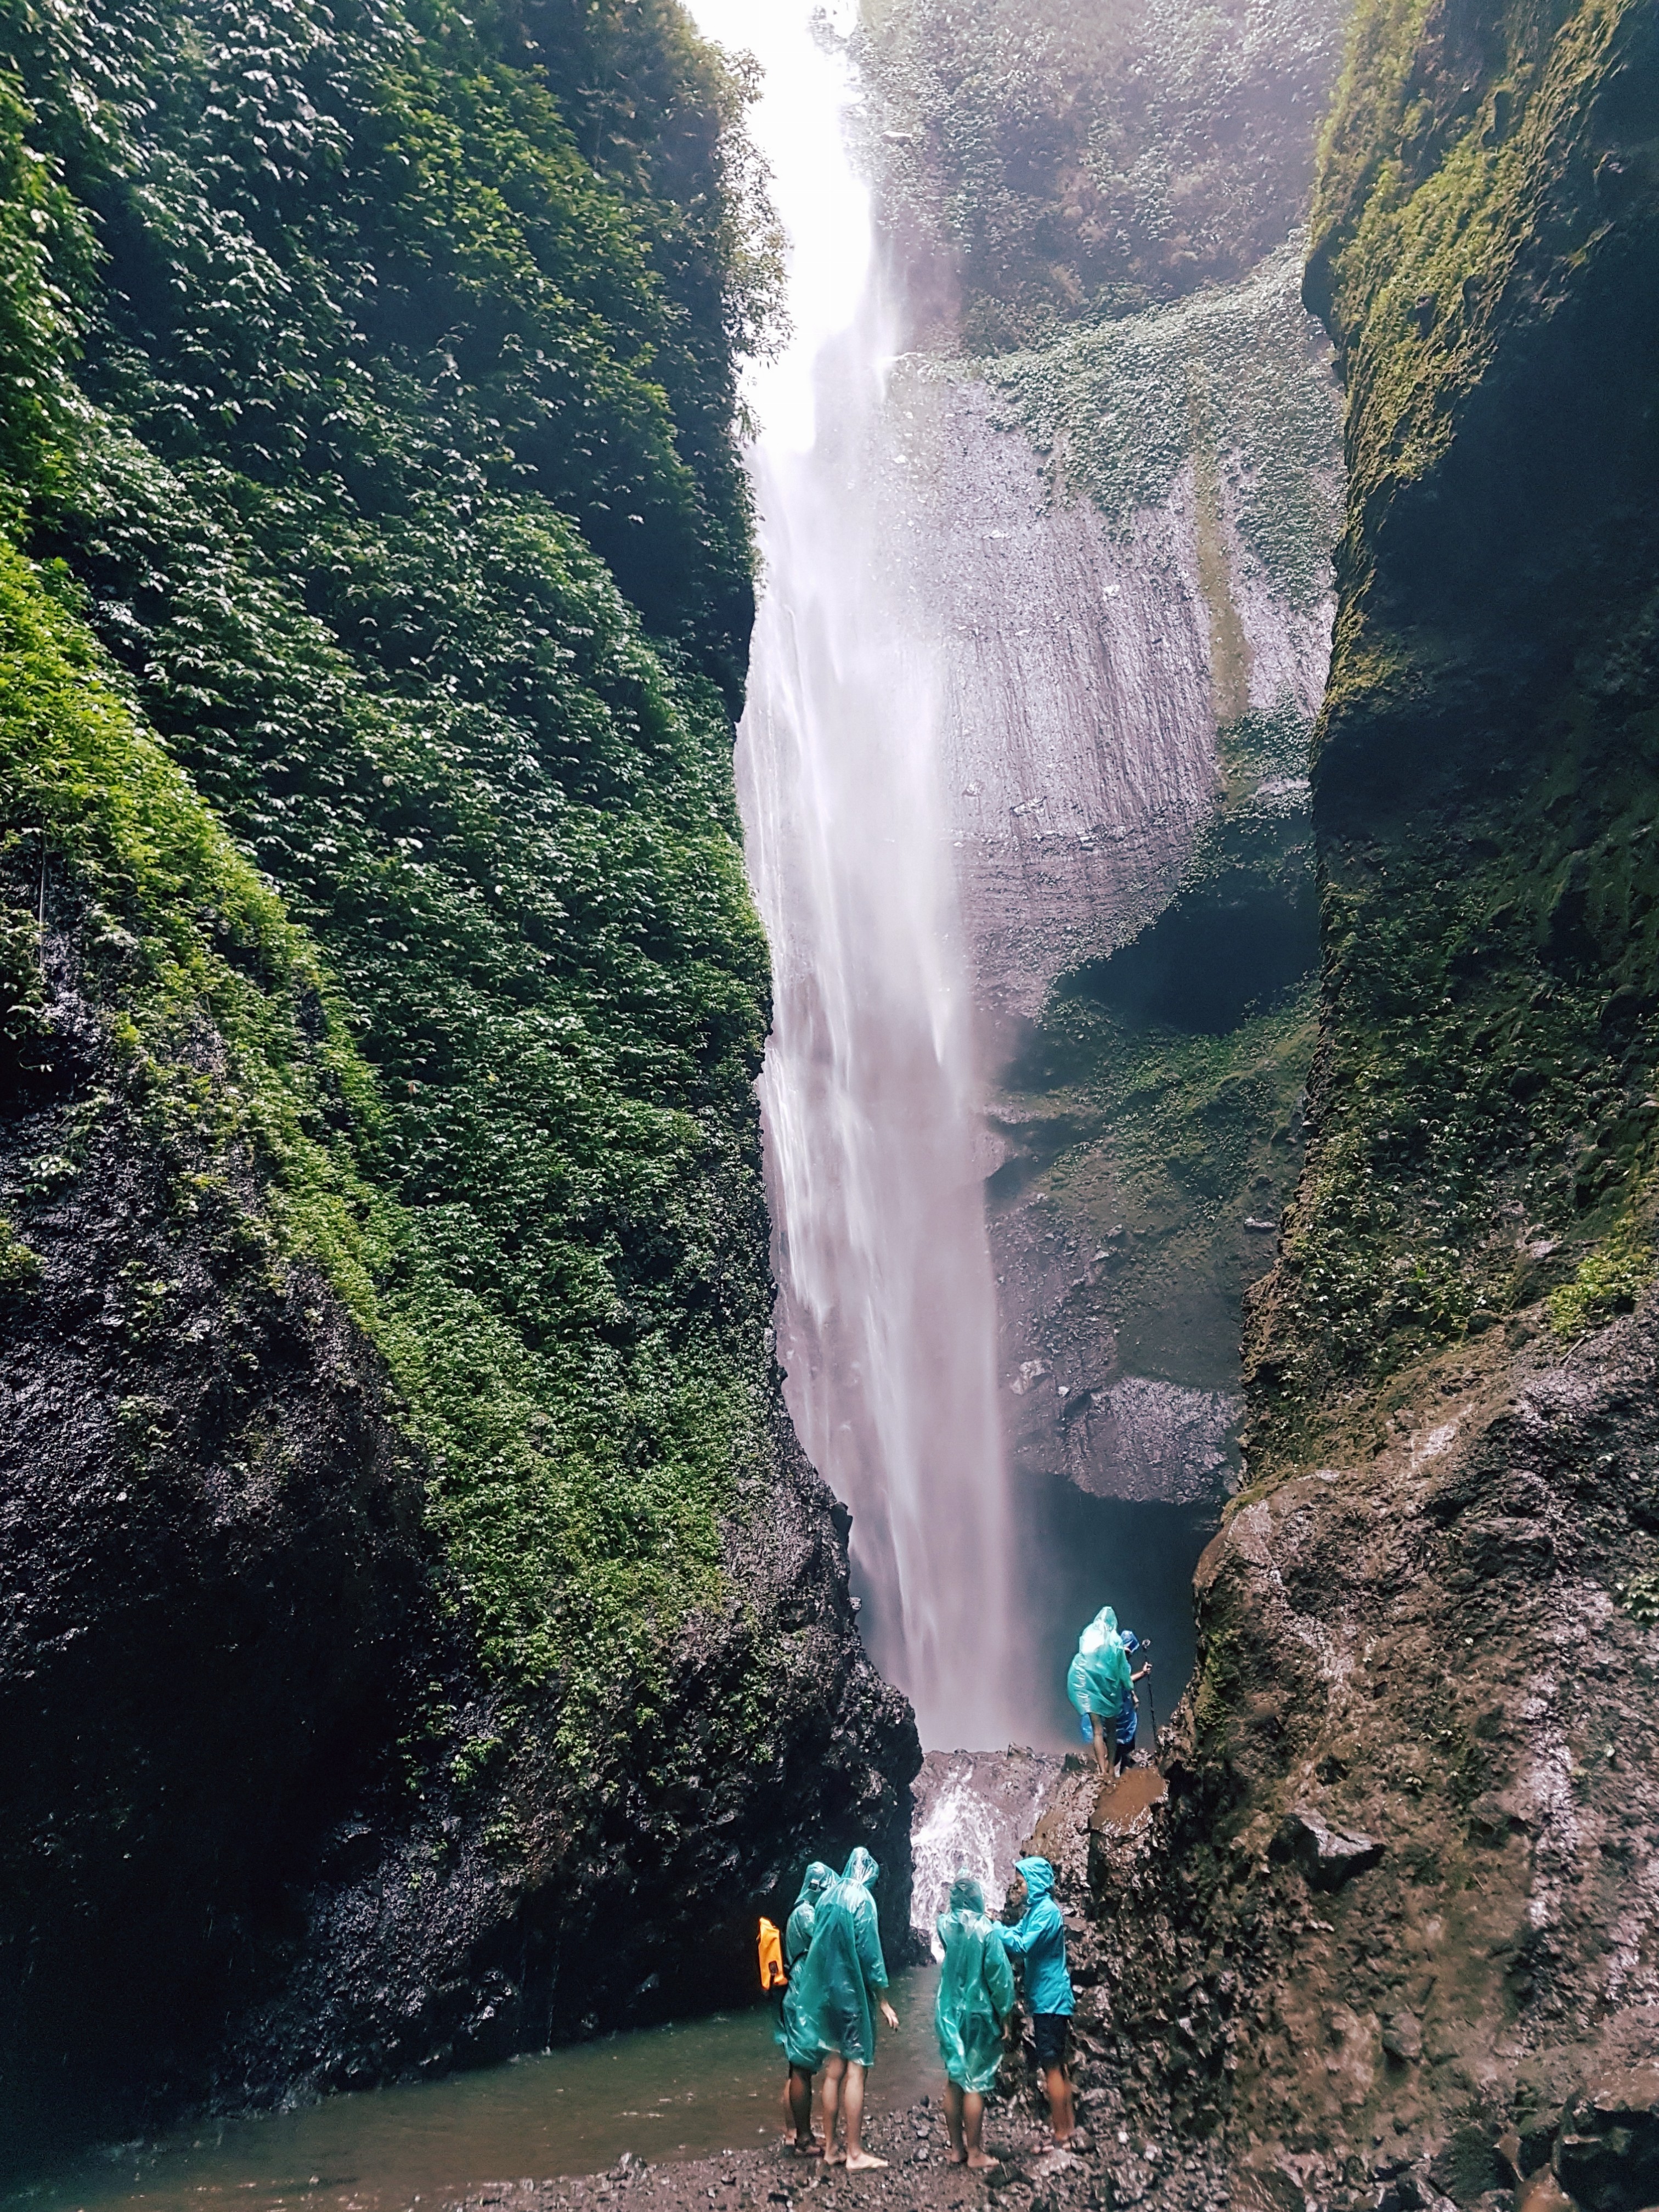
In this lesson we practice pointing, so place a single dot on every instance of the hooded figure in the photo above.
(976, 1990)
(798, 1936)
(1040, 1939)
(1097, 1681)
(827, 2006)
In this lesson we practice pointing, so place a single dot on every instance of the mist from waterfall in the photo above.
(887, 1319)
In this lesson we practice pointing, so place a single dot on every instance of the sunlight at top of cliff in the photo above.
(798, 124)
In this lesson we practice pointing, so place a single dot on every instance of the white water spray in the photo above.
(887, 1319)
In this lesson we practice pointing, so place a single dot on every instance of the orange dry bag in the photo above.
(771, 1959)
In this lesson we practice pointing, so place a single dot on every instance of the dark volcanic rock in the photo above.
(1606, 2155)
(241, 1848)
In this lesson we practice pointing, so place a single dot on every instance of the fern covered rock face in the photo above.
(406, 1544)
(1068, 165)
(1427, 1621)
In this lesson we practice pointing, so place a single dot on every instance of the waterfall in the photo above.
(887, 1318)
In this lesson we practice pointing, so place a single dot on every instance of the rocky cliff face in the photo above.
(422, 1636)
(1403, 1888)
(1117, 463)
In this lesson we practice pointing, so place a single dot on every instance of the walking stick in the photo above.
(1152, 1715)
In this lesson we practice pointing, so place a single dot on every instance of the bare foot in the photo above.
(863, 2161)
(835, 2158)
(956, 2157)
(806, 2149)
(980, 2162)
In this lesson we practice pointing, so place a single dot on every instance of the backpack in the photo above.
(772, 1974)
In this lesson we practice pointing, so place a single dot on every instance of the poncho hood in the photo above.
(1038, 1877)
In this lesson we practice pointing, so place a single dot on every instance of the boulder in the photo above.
(1606, 2155)
(1328, 1856)
(1402, 2037)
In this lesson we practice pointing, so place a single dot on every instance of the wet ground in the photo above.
(1031, 2177)
(676, 2091)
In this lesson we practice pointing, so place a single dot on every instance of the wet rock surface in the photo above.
(1450, 1931)
(241, 1850)
(1032, 2173)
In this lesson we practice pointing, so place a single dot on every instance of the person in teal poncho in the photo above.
(1037, 1939)
(975, 1996)
(796, 1943)
(1098, 1682)
(828, 2015)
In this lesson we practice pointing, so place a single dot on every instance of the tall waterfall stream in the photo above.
(887, 1319)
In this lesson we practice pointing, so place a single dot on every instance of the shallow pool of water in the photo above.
(683, 2091)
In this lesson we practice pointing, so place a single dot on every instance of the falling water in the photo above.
(887, 1321)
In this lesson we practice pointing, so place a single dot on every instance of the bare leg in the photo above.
(1102, 1756)
(1057, 2084)
(835, 2067)
(973, 2129)
(798, 2098)
(953, 2122)
(858, 2161)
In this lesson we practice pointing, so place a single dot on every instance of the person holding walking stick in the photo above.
(1128, 1718)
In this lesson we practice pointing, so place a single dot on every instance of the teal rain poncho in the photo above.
(1097, 1681)
(976, 1990)
(827, 2007)
(798, 1936)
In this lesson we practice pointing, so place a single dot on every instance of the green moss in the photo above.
(1428, 202)
(372, 681)
(578, 1483)
(1486, 772)
(20, 1266)
(1235, 375)
(1075, 163)
(1608, 1281)
(1639, 1597)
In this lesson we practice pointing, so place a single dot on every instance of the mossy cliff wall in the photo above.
(423, 1637)
(1426, 1622)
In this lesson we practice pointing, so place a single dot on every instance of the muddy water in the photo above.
(679, 2092)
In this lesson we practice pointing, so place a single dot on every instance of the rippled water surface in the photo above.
(665, 2093)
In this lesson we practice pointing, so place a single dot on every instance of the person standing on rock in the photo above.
(1098, 1682)
(796, 1943)
(975, 1996)
(1038, 1941)
(828, 2014)
(1128, 1718)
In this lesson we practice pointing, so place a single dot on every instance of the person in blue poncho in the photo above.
(1037, 1940)
(828, 2014)
(796, 1943)
(975, 1996)
(1098, 1682)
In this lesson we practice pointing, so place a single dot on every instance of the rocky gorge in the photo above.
(424, 1636)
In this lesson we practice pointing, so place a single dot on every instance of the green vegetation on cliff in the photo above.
(1171, 1073)
(1486, 778)
(1230, 375)
(1072, 163)
(366, 438)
